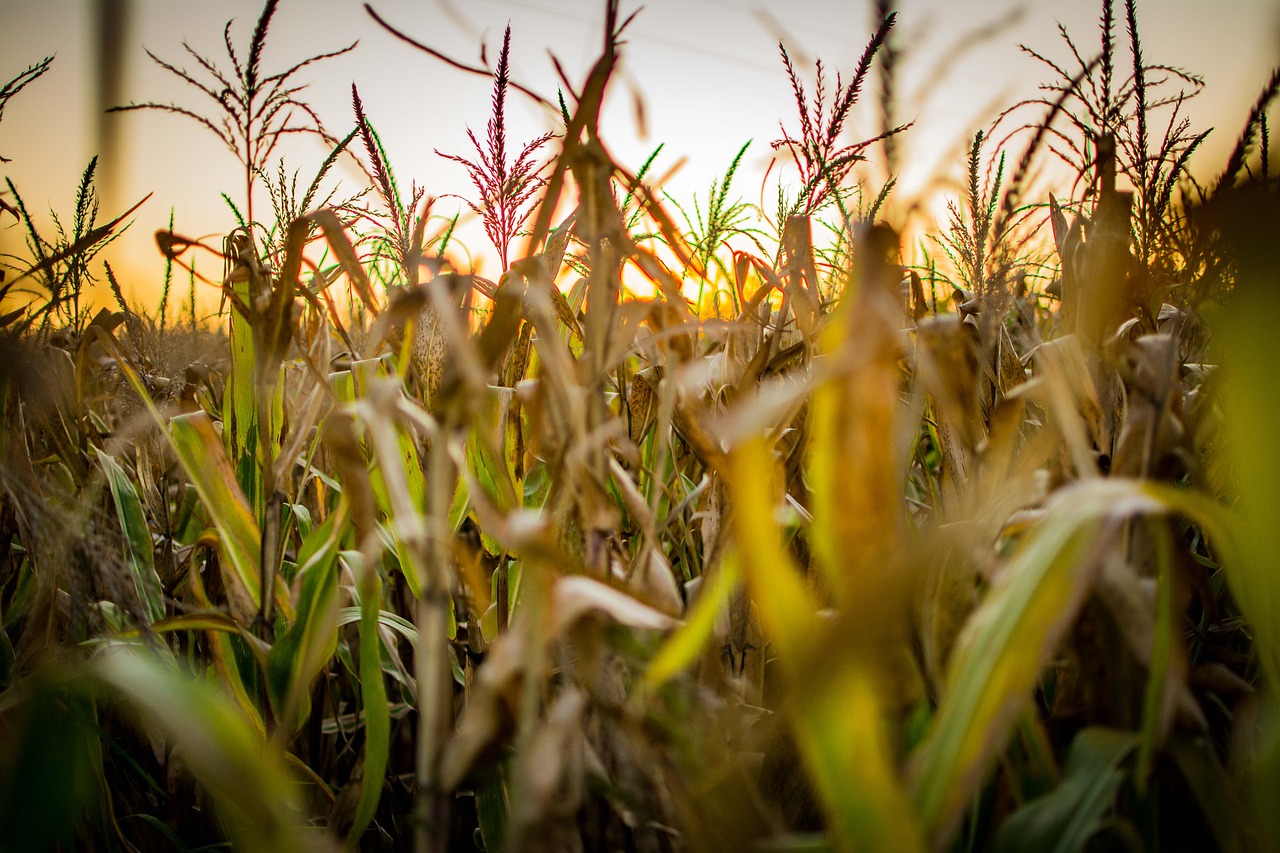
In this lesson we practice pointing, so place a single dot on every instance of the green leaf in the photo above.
(1064, 820)
(240, 399)
(841, 731)
(492, 445)
(306, 647)
(787, 608)
(998, 659)
(204, 620)
(491, 451)
(856, 465)
(1244, 333)
(406, 477)
(1165, 630)
(48, 754)
(23, 589)
(1016, 628)
(8, 659)
(202, 456)
(386, 618)
(1215, 791)
(686, 644)
(492, 811)
(373, 696)
(1250, 351)
(139, 549)
(838, 720)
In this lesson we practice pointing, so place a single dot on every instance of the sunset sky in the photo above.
(706, 71)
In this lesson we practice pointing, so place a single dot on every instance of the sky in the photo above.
(706, 72)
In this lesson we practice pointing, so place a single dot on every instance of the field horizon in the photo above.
(956, 61)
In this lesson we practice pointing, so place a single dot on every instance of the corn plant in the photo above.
(839, 567)
(255, 111)
(505, 186)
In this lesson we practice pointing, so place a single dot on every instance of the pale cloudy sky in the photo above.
(706, 71)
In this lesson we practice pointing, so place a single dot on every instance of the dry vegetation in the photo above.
(811, 550)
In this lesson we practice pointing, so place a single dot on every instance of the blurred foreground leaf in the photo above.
(257, 798)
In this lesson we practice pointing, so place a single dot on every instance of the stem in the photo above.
(431, 662)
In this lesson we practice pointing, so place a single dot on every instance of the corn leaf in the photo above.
(373, 699)
(839, 721)
(1064, 820)
(49, 755)
(1250, 353)
(310, 641)
(787, 608)
(492, 811)
(687, 643)
(1006, 642)
(1215, 791)
(387, 619)
(997, 660)
(856, 467)
(139, 549)
(202, 456)
(255, 794)
(840, 729)
(240, 401)
(403, 466)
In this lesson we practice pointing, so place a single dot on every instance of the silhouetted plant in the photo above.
(60, 265)
(1099, 104)
(505, 186)
(257, 110)
(17, 84)
(1255, 124)
(710, 225)
(823, 162)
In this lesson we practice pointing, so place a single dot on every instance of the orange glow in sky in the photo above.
(700, 77)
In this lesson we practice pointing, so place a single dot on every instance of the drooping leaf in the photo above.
(998, 658)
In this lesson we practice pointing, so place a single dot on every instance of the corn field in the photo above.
(832, 542)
